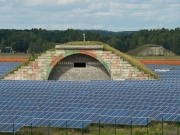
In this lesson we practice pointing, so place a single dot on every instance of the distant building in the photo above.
(151, 50)
(7, 50)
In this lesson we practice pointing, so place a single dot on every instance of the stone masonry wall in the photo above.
(40, 69)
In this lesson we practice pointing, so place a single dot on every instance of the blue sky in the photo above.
(112, 15)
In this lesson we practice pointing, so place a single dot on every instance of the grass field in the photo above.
(152, 129)
(14, 55)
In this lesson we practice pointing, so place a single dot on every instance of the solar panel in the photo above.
(166, 71)
(5, 67)
(76, 104)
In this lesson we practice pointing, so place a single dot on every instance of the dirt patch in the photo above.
(14, 57)
(161, 62)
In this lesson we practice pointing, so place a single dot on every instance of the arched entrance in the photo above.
(79, 67)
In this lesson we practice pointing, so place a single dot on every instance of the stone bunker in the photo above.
(79, 62)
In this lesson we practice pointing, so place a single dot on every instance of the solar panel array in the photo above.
(166, 71)
(76, 104)
(5, 67)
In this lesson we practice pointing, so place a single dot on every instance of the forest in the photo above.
(39, 40)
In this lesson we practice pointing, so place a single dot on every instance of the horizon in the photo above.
(87, 29)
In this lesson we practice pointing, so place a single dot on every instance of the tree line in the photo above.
(39, 40)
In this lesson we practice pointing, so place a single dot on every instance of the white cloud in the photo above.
(66, 1)
(115, 15)
(157, 1)
(48, 2)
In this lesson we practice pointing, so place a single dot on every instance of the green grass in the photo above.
(14, 55)
(153, 129)
(85, 43)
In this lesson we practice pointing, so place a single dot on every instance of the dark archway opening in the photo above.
(79, 67)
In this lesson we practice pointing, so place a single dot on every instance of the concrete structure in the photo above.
(79, 67)
(77, 62)
(151, 50)
(155, 51)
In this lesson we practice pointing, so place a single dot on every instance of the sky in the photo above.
(111, 15)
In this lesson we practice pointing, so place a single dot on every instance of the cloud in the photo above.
(47, 2)
(66, 1)
(116, 15)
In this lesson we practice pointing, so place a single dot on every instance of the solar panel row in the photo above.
(5, 67)
(166, 71)
(77, 104)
